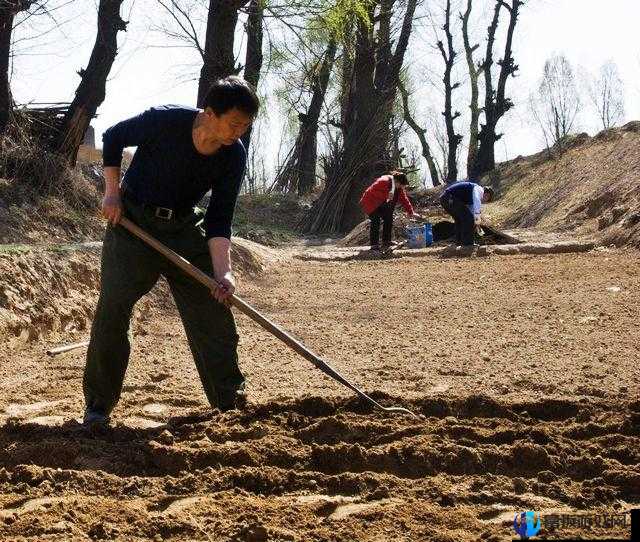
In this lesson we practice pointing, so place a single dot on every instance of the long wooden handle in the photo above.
(247, 309)
(66, 348)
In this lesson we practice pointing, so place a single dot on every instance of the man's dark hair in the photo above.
(489, 192)
(230, 92)
(400, 177)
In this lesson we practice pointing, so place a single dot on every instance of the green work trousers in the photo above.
(130, 268)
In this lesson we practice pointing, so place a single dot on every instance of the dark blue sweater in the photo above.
(462, 191)
(168, 171)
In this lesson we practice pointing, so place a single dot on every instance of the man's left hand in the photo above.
(226, 288)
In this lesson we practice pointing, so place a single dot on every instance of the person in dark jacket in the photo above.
(463, 201)
(379, 202)
(182, 153)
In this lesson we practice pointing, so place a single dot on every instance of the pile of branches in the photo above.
(41, 122)
(32, 173)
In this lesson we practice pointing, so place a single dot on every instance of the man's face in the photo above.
(228, 127)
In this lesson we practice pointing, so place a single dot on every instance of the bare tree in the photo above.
(474, 74)
(421, 133)
(92, 88)
(184, 23)
(8, 11)
(217, 50)
(496, 101)
(557, 103)
(449, 55)
(606, 93)
(299, 170)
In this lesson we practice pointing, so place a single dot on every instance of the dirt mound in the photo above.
(44, 291)
(442, 230)
(425, 202)
(269, 219)
(591, 187)
(42, 199)
(250, 258)
(55, 289)
(359, 236)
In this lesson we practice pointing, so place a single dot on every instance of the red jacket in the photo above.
(378, 193)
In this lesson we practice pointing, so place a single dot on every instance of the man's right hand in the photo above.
(112, 207)
(111, 202)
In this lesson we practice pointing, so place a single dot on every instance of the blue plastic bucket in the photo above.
(415, 237)
(419, 236)
(428, 234)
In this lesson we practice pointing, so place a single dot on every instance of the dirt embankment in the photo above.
(44, 291)
(54, 290)
(590, 188)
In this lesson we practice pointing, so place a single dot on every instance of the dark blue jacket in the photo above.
(461, 191)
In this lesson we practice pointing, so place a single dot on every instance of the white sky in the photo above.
(587, 32)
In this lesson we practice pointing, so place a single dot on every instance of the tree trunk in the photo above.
(375, 161)
(299, 172)
(453, 139)
(309, 127)
(253, 63)
(92, 88)
(474, 72)
(496, 105)
(485, 156)
(347, 72)
(420, 132)
(383, 52)
(6, 102)
(8, 11)
(218, 47)
(358, 113)
(366, 138)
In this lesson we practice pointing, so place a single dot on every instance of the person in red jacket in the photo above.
(379, 201)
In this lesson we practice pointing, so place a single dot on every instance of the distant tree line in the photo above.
(338, 71)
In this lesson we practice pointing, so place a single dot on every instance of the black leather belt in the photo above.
(165, 213)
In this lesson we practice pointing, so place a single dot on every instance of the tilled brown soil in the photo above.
(523, 371)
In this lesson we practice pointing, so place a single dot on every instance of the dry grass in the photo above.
(41, 198)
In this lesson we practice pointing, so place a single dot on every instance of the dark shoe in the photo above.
(95, 418)
(375, 248)
(232, 400)
(386, 249)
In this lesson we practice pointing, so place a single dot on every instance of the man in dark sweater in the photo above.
(463, 201)
(181, 154)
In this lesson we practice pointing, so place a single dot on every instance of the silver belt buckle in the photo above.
(164, 213)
